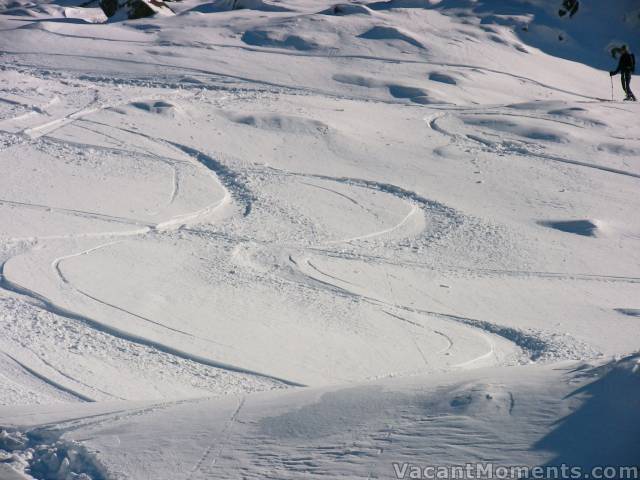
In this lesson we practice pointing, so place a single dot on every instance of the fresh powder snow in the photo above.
(303, 239)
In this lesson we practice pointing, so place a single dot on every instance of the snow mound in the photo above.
(158, 107)
(391, 33)
(442, 78)
(283, 123)
(391, 4)
(518, 128)
(358, 80)
(413, 94)
(229, 5)
(586, 228)
(268, 38)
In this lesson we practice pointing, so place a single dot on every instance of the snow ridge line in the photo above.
(51, 307)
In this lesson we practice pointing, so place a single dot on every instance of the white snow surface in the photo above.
(301, 239)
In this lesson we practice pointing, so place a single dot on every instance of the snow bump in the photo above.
(586, 228)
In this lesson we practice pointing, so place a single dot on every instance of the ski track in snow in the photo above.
(53, 125)
(115, 332)
(57, 268)
(219, 172)
(49, 381)
(521, 151)
(489, 272)
(79, 213)
(206, 464)
(529, 342)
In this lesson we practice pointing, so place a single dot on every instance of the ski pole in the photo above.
(611, 78)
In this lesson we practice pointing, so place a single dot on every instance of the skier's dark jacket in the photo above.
(627, 63)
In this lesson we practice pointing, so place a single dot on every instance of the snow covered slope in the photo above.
(582, 416)
(304, 194)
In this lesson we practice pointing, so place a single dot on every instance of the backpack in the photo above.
(633, 63)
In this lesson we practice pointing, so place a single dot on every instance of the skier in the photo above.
(626, 67)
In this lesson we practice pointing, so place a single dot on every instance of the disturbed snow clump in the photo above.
(32, 455)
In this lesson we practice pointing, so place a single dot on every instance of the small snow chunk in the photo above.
(10, 441)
